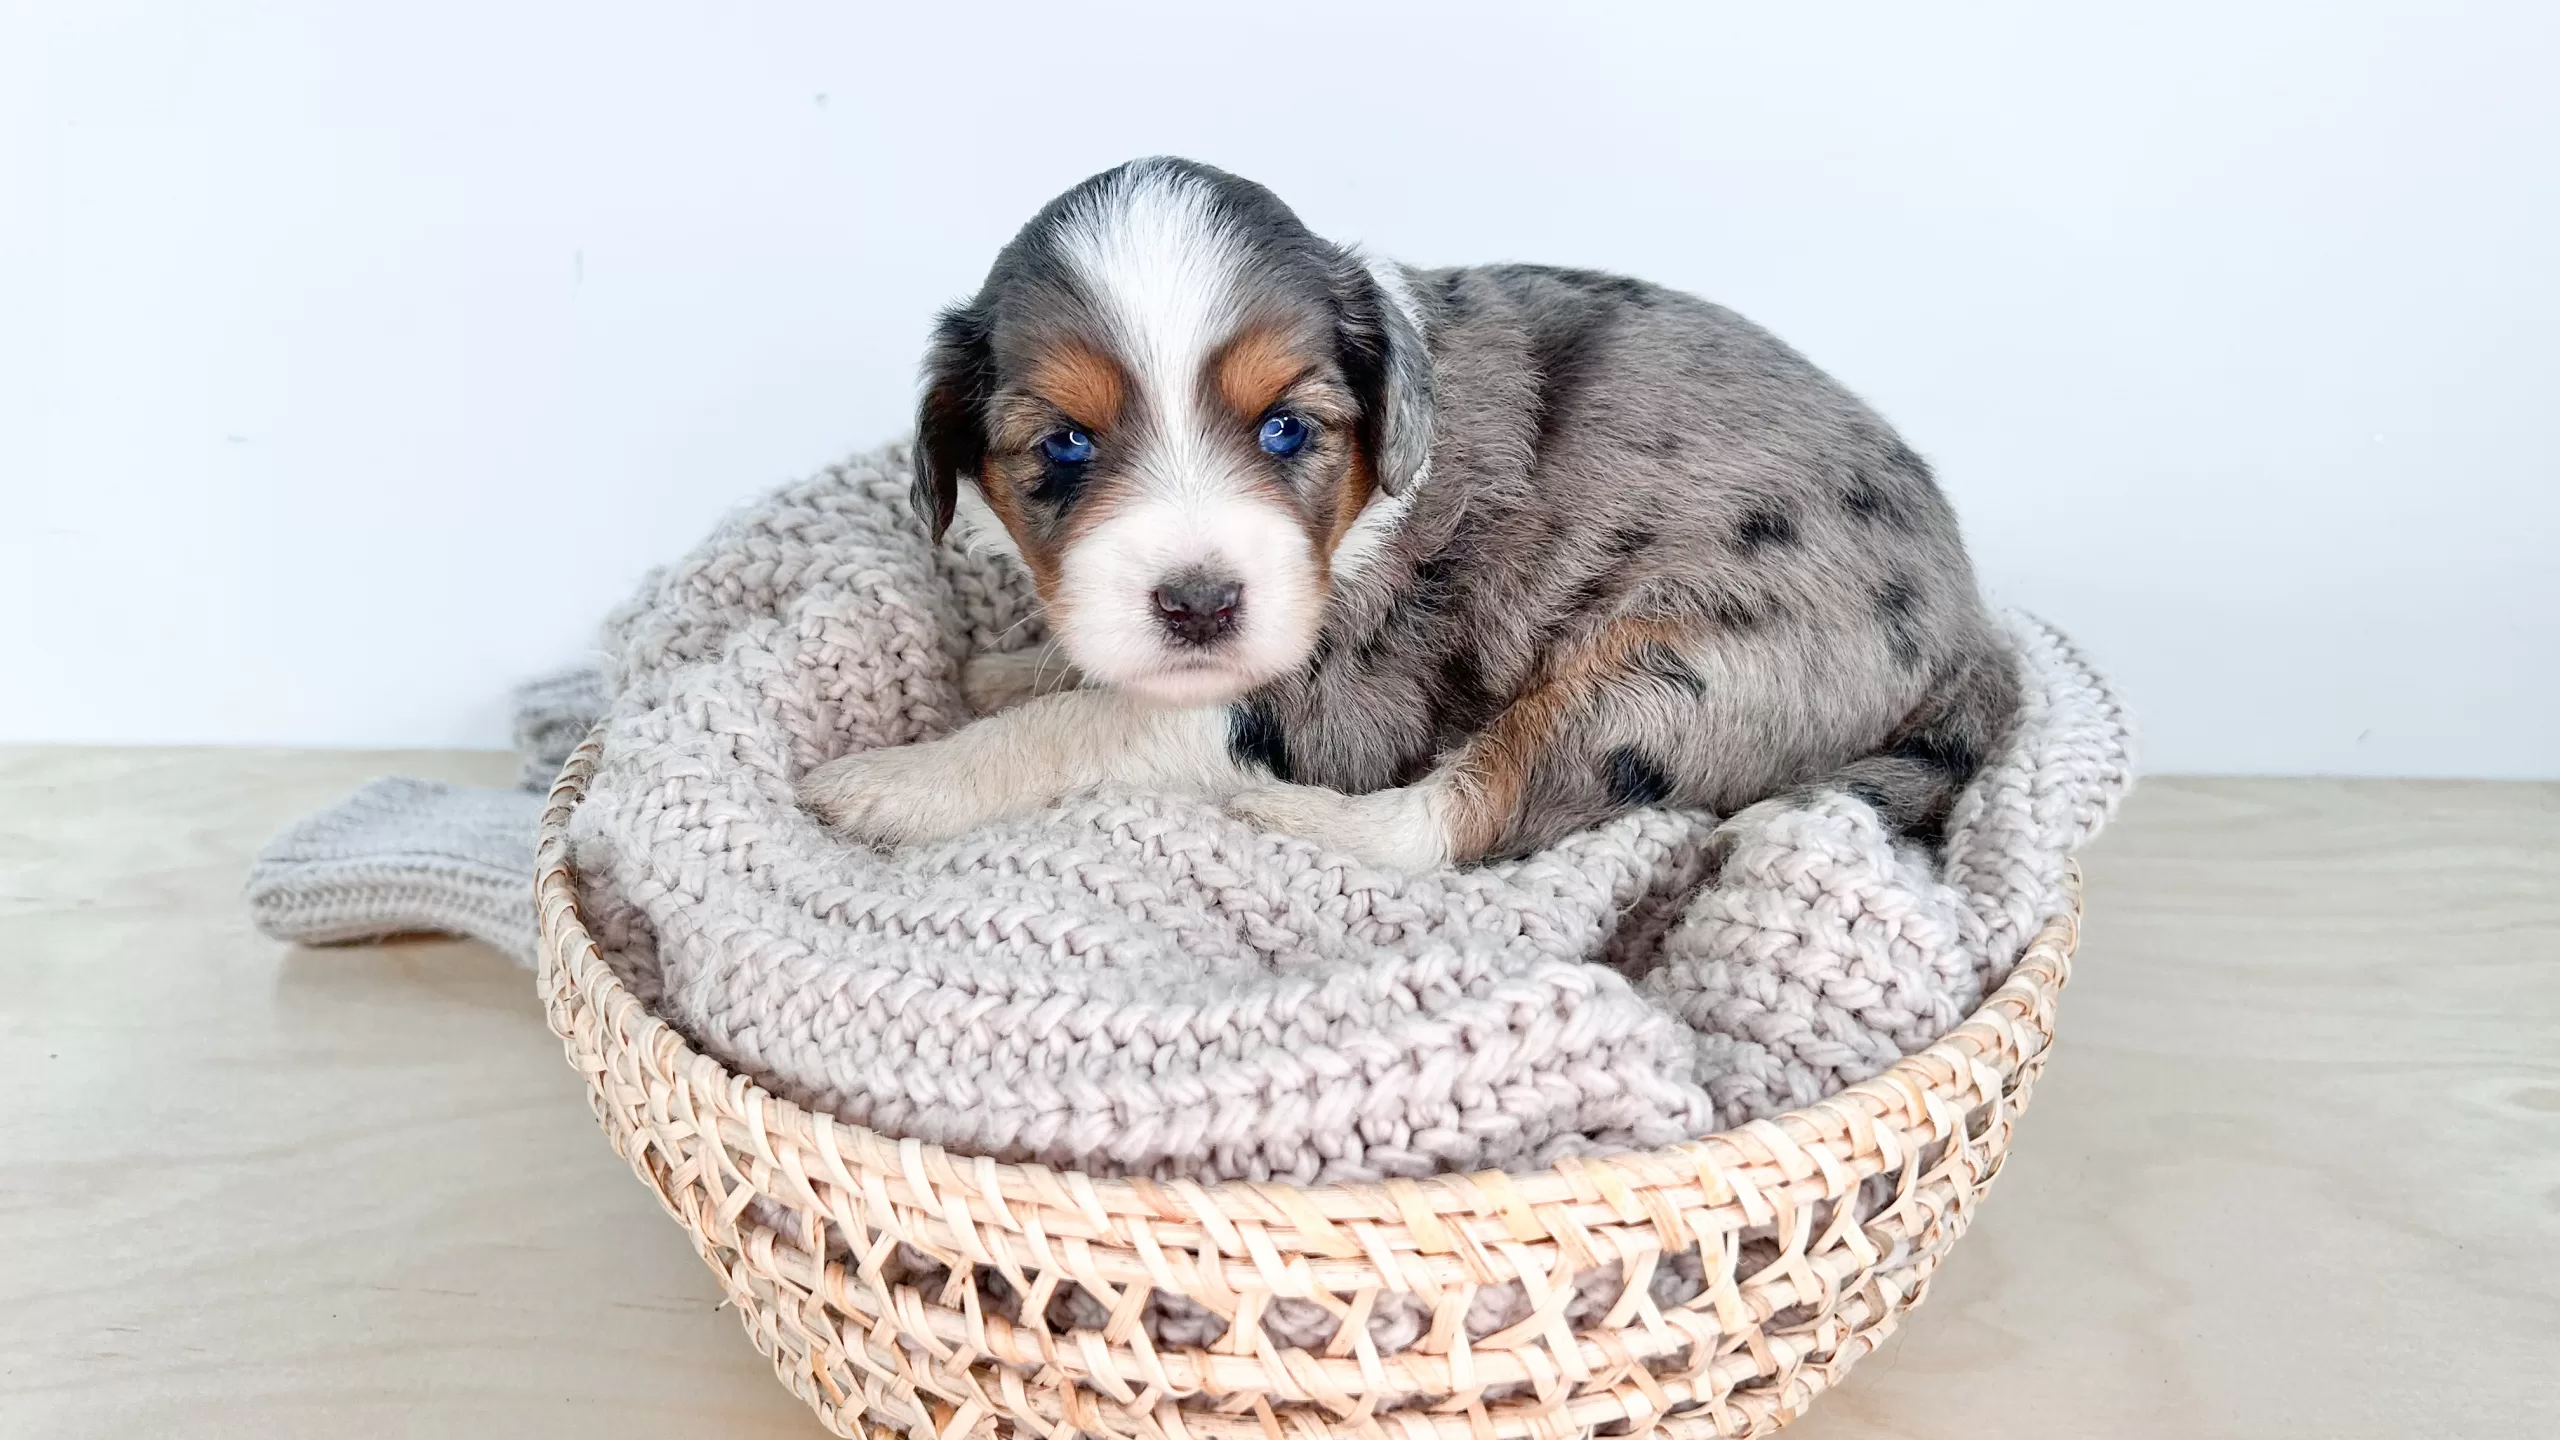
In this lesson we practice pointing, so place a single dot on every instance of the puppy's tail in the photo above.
(1913, 781)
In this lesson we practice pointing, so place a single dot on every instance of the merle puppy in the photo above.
(1425, 565)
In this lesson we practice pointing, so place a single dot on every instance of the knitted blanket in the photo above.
(1135, 982)
(404, 856)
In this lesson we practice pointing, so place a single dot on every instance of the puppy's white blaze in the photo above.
(1106, 596)
(1164, 269)
(979, 531)
(1153, 253)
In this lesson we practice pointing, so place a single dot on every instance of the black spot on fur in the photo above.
(1624, 289)
(1895, 607)
(1868, 502)
(1892, 494)
(1595, 592)
(1565, 349)
(1939, 751)
(1634, 292)
(1661, 663)
(1628, 541)
(1873, 795)
(1762, 528)
(1461, 702)
(1662, 444)
(1738, 615)
(1435, 584)
(1254, 737)
(1634, 781)
(1418, 606)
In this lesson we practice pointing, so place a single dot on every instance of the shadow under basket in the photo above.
(1709, 1289)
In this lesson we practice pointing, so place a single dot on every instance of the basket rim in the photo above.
(2008, 1031)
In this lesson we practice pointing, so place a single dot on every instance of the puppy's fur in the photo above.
(1557, 544)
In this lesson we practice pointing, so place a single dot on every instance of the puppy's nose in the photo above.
(1198, 608)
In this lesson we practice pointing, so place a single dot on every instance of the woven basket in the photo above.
(803, 1218)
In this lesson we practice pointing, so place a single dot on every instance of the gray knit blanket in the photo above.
(1136, 983)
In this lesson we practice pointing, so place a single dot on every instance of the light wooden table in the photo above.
(2294, 1171)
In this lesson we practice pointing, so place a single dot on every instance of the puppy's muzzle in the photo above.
(1198, 608)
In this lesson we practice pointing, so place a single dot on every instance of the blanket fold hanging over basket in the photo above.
(1709, 1288)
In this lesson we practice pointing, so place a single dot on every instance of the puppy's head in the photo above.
(1171, 402)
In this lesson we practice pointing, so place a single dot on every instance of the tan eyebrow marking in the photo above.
(1256, 368)
(1083, 382)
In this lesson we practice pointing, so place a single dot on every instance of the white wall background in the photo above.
(354, 359)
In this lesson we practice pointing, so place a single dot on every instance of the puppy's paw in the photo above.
(1391, 829)
(902, 795)
(1002, 681)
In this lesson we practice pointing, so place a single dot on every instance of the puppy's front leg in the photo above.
(1018, 761)
(1006, 679)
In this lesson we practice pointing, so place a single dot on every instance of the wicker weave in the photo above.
(1796, 1286)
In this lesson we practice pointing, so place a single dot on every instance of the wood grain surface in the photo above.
(2294, 1169)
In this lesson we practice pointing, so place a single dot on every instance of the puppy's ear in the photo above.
(951, 427)
(1389, 367)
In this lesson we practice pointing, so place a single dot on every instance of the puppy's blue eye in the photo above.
(1067, 447)
(1283, 434)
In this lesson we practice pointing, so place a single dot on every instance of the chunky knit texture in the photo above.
(405, 857)
(553, 714)
(1137, 983)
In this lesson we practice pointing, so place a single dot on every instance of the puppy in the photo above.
(1428, 566)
